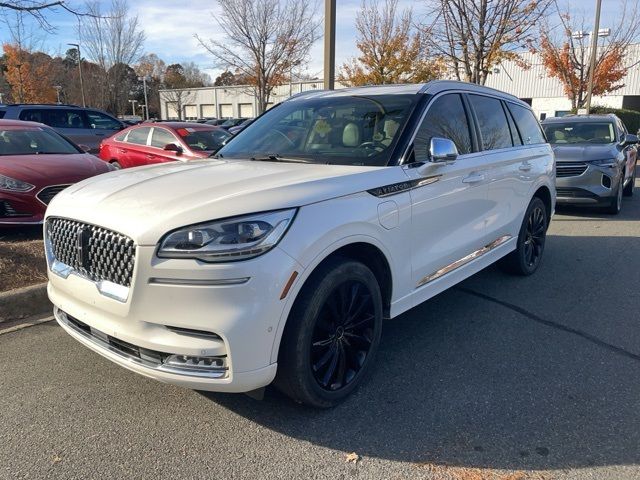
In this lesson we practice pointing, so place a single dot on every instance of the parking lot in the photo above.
(501, 377)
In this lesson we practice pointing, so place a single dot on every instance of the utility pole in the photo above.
(329, 44)
(146, 101)
(20, 90)
(58, 88)
(133, 106)
(594, 51)
(84, 103)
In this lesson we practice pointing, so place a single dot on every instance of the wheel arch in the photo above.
(544, 194)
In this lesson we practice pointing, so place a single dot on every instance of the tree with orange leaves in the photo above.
(28, 75)
(391, 51)
(567, 56)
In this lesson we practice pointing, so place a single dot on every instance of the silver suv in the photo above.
(595, 159)
(84, 126)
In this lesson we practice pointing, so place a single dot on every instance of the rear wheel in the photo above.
(615, 204)
(332, 334)
(525, 259)
(628, 190)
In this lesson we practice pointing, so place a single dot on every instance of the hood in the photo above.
(145, 203)
(584, 153)
(41, 170)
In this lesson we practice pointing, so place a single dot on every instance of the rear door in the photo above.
(449, 202)
(68, 121)
(134, 151)
(101, 126)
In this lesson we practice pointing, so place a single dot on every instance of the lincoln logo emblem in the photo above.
(82, 242)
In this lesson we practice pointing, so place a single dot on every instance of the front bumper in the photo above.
(596, 186)
(20, 209)
(184, 307)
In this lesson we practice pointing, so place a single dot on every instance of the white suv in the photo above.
(279, 258)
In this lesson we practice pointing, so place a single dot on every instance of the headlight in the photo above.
(237, 238)
(13, 185)
(607, 162)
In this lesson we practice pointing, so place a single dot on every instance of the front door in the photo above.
(449, 201)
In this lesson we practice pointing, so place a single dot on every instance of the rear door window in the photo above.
(54, 117)
(446, 118)
(139, 136)
(492, 122)
(528, 126)
(101, 121)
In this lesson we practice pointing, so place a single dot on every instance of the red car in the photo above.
(150, 143)
(36, 163)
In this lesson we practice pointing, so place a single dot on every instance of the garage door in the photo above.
(190, 112)
(172, 111)
(246, 110)
(208, 111)
(226, 110)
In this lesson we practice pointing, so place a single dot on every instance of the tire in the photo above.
(628, 190)
(615, 204)
(526, 258)
(116, 165)
(324, 356)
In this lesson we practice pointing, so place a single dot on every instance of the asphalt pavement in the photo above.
(499, 378)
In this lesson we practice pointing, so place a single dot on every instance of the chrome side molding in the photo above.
(463, 261)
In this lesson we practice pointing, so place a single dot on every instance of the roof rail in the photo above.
(43, 105)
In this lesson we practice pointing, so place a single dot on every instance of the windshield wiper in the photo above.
(275, 157)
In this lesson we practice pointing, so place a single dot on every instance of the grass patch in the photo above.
(22, 261)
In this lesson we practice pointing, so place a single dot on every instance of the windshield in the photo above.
(575, 132)
(33, 141)
(355, 130)
(208, 140)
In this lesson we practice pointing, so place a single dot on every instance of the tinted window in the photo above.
(138, 136)
(54, 117)
(528, 126)
(161, 137)
(2, 112)
(492, 122)
(33, 141)
(446, 118)
(515, 135)
(338, 129)
(101, 121)
(580, 132)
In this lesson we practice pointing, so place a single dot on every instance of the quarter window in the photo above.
(161, 137)
(101, 121)
(139, 136)
(446, 118)
(492, 121)
(528, 126)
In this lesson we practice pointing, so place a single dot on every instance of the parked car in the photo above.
(238, 128)
(37, 163)
(151, 143)
(86, 126)
(216, 121)
(596, 160)
(280, 258)
(232, 122)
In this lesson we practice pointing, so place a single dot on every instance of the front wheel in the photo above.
(628, 190)
(332, 334)
(525, 259)
(615, 204)
(116, 165)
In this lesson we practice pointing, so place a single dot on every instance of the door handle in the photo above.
(474, 178)
(122, 150)
(524, 167)
(150, 156)
(99, 134)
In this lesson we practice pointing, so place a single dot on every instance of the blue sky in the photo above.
(170, 26)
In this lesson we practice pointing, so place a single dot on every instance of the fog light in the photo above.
(606, 181)
(196, 363)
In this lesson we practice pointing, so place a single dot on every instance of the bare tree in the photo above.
(566, 54)
(264, 40)
(391, 50)
(38, 9)
(473, 36)
(111, 39)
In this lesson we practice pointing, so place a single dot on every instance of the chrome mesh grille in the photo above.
(95, 252)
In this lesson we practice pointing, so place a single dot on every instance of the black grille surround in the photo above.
(94, 252)
(46, 194)
(570, 169)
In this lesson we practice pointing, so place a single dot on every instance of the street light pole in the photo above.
(146, 101)
(594, 51)
(84, 103)
(329, 44)
(58, 88)
(133, 106)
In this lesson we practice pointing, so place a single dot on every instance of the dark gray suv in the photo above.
(595, 159)
(84, 126)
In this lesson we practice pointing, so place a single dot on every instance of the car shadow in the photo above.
(20, 233)
(499, 372)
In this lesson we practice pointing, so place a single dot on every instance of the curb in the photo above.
(24, 302)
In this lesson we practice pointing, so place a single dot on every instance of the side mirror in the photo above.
(84, 148)
(172, 147)
(630, 139)
(442, 150)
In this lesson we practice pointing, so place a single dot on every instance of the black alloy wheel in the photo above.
(526, 258)
(343, 335)
(332, 334)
